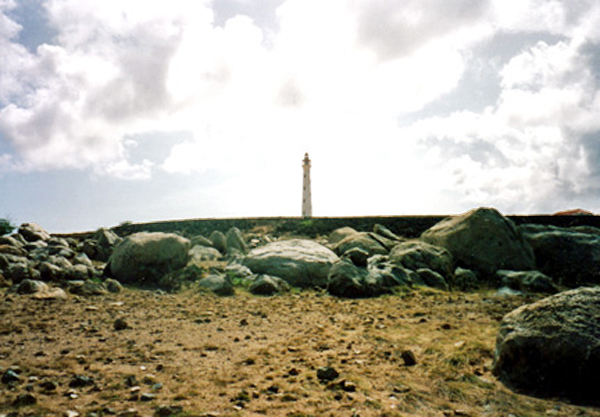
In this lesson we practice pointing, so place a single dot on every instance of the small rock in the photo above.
(168, 410)
(147, 397)
(25, 400)
(120, 324)
(409, 358)
(80, 381)
(49, 385)
(112, 285)
(327, 373)
(10, 376)
(131, 412)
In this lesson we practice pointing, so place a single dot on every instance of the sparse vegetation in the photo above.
(6, 226)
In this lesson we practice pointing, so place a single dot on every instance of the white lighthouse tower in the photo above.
(306, 199)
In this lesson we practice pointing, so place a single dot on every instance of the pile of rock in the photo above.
(461, 252)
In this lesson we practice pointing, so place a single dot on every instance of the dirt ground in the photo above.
(196, 354)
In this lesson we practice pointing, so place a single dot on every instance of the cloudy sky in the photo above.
(131, 110)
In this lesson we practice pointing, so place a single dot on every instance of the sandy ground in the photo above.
(195, 354)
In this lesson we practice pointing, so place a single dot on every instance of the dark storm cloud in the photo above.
(395, 29)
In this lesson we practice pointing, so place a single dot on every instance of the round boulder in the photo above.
(143, 258)
(483, 240)
(301, 263)
(552, 347)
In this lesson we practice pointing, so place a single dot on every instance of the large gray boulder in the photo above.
(235, 241)
(144, 258)
(527, 281)
(482, 240)
(301, 263)
(339, 234)
(569, 256)
(415, 255)
(552, 347)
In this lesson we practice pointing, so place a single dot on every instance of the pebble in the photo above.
(327, 373)
(120, 324)
(80, 381)
(10, 376)
(147, 396)
(24, 400)
(168, 410)
(409, 358)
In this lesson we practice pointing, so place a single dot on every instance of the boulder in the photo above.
(113, 286)
(31, 286)
(349, 281)
(51, 272)
(219, 241)
(301, 263)
(527, 281)
(235, 241)
(432, 279)
(218, 284)
(570, 257)
(32, 232)
(101, 244)
(13, 250)
(203, 253)
(268, 285)
(415, 255)
(386, 233)
(87, 288)
(552, 347)
(143, 258)
(200, 240)
(465, 280)
(340, 234)
(482, 240)
(11, 241)
(368, 242)
(358, 256)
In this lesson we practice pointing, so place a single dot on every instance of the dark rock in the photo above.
(51, 272)
(386, 233)
(409, 358)
(80, 381)
(527, 281)
(348, 280)
(552, 347)
(168, 410)
(10, 377)
(483, 240)
(268, 285)
(23, 400)
(146, 396)
(358, 256)
(87, 288)
(570, 257)
(203, 253)
(30, 286)
(120, 324)
(465, 280)
(432, 279)
(327, 373)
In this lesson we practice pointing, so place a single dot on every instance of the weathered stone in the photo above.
(51, 272)
(483, 240)
(219, 241)
(301, 263)
(569, 257)
(13, 250)
(112, 285)
(143, 258)
(203, 253)
(386, 233)
(358, 256)
(268, 285)
(200, 240)
(19, 272)
(415, 255)
(432, 279)
(30, 286)
(465, 279)
(350, 281)
(88, 288)
(235, 241)
(33, 232)
(340, 234)
(79, 273)
(53, 294)
(327, 373)
(369, 242)
(527, 281)
(11, 241)
(218, 284)
(82, 259)
(552, 347)
(120, 324)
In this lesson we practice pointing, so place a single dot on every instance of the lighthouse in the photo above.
(306, 199)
